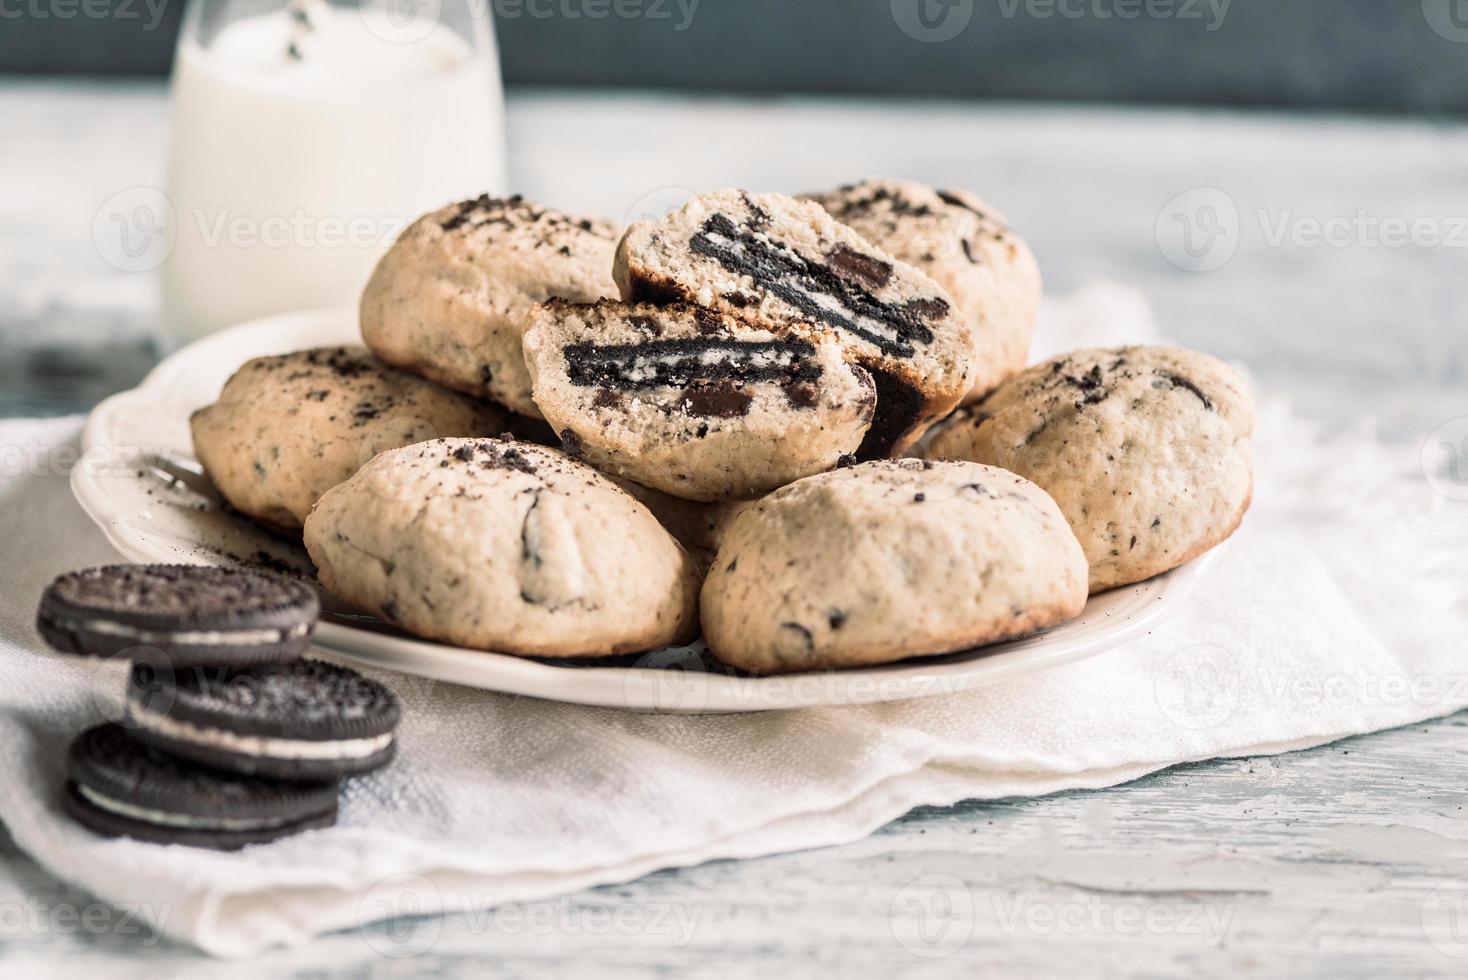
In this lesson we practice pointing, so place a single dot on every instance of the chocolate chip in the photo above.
(802, 633)
(646, 324)
(709, 322)
(800, 395)
(852, 264)
(1181, 382)
(571, 444)
(722, 399)
(837, 618)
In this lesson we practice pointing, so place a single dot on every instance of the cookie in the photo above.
(307, 719)
(1147, 450)
(122, 788)
(793, 266)
(888, 560)
(287, 429)
(966, 247)
(449, 299)
(183, 615)
(695, 403)
(501, 545)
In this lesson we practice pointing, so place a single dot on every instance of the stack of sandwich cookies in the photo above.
(304, 720)
(231, 738)
(120, 787)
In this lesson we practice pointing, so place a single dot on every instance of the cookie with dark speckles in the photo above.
(307, 719)
(288, 428)
(123, 788)
(792, 266)
(968, 248)
(1147, 450)
(696, 403)
(179, 614)
(506, 546)
(449, 298)
(888, 560)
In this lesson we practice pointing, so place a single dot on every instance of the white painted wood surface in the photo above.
(1348, 860)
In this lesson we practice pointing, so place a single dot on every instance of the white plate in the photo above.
(140, 483)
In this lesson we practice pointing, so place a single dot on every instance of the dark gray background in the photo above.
(1375, 55)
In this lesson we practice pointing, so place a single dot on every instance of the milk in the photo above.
(292, 171)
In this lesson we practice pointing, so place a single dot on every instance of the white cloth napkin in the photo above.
(1340, 608)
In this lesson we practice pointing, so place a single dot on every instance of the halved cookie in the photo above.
(696, 403)
(798, 270)
(968, 248)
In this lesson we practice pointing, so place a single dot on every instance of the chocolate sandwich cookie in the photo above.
(695, 403)
(803, 273)
(182, 615)
(968, 248)
(307, 719)
(122, 788)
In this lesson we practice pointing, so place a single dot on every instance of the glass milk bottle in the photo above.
(306, 134)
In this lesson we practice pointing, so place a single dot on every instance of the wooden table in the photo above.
(1348, 860)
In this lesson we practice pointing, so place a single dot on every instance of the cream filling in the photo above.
(275, 748)
(164, 818)
(198, 638)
